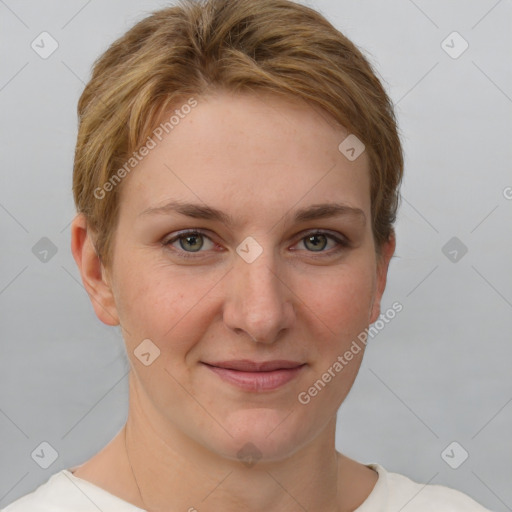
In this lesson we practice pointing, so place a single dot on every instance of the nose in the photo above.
(258, 299)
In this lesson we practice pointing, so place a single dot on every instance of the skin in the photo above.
(258, 158)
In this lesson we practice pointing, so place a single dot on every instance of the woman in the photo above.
(236, 179)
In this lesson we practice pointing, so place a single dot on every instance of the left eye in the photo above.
(318, 241)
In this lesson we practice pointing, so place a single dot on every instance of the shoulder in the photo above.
(39, 500)
(407, 495)
(64, 492)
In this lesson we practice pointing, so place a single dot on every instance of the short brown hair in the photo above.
(239, 45)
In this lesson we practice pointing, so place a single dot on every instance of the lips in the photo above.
(245, 365)
(256, 376)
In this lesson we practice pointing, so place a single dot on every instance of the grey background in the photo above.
(438, 373)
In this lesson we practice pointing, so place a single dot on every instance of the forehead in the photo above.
(248, 152)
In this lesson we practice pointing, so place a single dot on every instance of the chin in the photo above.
(263, 434)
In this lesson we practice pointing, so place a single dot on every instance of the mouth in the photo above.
(256, 376)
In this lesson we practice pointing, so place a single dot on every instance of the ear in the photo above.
(94, 276)
(387, 250)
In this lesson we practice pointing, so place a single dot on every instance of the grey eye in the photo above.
(318, 242)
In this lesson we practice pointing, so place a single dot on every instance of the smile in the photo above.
(255, 377)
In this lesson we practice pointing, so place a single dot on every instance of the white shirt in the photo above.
(393, 492)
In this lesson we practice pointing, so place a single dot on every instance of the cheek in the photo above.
(339, 307)
(162, 303)
(341, 300)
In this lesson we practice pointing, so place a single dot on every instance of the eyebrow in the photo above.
(312, 212)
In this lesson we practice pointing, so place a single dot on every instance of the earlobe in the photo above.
(92, 271)
(387, 251)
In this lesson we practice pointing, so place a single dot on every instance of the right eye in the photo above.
(192, 239)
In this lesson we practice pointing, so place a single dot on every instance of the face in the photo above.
(273, 277)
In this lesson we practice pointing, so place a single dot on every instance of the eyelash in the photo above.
(342, 243)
